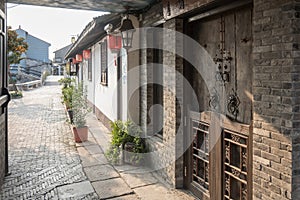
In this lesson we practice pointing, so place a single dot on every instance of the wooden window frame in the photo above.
(90, 67)
(104, 63)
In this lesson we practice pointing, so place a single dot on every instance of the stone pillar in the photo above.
(276, 136)
(173, 95)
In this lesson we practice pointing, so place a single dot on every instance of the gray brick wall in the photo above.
(173, 172)
(276, 99)
(171, 108)
(149, 18)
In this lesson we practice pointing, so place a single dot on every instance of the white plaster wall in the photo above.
(106, 96)
(90, 83)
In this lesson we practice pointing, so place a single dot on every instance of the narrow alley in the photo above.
(45, 163)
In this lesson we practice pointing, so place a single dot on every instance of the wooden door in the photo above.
(218, 162)
(221, 171)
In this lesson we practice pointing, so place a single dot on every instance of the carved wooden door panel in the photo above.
(218, 162)
(220, 157)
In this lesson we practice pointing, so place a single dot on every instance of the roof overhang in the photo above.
(93, 33)
(114, 6)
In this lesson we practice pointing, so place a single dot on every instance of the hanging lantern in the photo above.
(78, 57)
(127, 30)
(86, 54)
(74, 61)
(114, 42)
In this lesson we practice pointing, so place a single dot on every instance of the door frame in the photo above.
(119, 87)
(216, 185)
(4, 97)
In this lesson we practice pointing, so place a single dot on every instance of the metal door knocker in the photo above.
(233, 103)
(214, 101)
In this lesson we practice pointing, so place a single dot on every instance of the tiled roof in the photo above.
(114, 6)
(93, 33)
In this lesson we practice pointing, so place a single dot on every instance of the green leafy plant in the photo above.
(66, 82)
(126, 133)
(79, 106)
(67, 94)
(67, 91)
(16, 94)
(16, 46)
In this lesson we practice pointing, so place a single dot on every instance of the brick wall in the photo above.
(172, 147)
(276, 91)
(295, 98)
(149, 18)
(173, 94)
(276, 70)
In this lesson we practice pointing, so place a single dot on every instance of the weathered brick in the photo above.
(279, 152)
(257, 138)
(260, 49)
(281, 168)
(271, 127)
(262, 147)
(261, 160)
(281, 183)
(271, 98)
(270, 171)
(262, 132)
(270, 156)
(286, 178)
(272, 187)
(280, 137)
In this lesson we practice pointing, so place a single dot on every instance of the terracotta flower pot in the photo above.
(80, 134)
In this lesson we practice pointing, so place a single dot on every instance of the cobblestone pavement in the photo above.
(42, 155)
(45, 163)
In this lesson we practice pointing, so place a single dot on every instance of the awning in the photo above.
(114, 6)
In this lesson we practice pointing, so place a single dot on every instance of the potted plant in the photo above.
(80, 110)
(127, 144)
(67, 94)
(66, 82)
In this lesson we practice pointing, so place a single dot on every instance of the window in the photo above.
(90, 67)
(103, 64)
(158, 81)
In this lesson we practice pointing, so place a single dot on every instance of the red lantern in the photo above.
(74, 61)
(78, 57)
(114, 42)
(86, 54)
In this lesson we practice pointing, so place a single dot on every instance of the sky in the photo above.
(53, 25)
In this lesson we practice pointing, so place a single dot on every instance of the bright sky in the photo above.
(53, 25)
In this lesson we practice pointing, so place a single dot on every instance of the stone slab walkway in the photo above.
(42, 155)
(118, 182)
(45, 163)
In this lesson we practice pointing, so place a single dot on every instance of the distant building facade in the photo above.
(36, 58)
(59, 61)
(37, 49)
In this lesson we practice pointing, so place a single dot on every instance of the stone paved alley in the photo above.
(45, 163)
